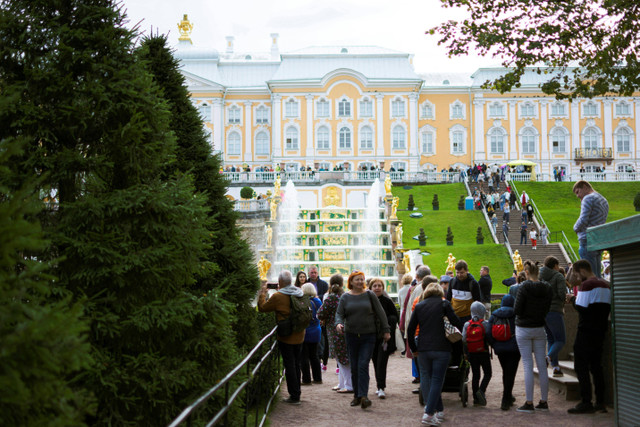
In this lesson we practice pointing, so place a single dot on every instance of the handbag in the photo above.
(379, 333)
(452, 333)
(399, 340)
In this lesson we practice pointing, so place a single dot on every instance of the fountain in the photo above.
(336, 239)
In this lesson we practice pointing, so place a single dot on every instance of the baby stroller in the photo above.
(456, 379)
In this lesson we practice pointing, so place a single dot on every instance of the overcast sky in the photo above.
(398, 25)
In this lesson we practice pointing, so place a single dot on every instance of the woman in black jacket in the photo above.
(532, 305)
(383, 349)
(434, 350)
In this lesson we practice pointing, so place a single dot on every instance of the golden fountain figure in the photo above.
(269, 235)
(451, 262)
(276, 187)
(406, 261)
(185, 27)
(517, 261)
(274, 209)
(388, 185)
(263, 267)
(399, 234)
(394, 207)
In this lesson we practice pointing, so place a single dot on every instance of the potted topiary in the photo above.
(636, 202)
(461, 203)
(449, 237)
(410, 204)
(247, 193)
(435, 203)
(479, 236)
(422, 238)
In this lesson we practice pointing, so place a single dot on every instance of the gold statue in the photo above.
(605, 255)
(399, 234)
(276, 187)
(185, 27)
(394, 207)
(332, 198)
(274, 209)
(387, 184)
(269, 235)
(451, 262)
(517, 261)
(263, 267)
(406, 261)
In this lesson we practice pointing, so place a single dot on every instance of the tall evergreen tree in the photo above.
(42, 343)
(131, 236)
(235, 277)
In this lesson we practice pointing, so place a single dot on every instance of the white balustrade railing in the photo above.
(251, 205)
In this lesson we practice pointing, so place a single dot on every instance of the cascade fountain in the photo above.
(336, 239)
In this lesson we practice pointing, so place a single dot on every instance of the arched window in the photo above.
(591, 139)
(291, 138)
(344, 108)
(205, 112)
(623, 139)
(496, 140)
(559, 140)
(399, 138)
(345, 138)
(322, 138)
(234, 144)
(528, 140)
(366, 138)
(262, 143)
(427, 111)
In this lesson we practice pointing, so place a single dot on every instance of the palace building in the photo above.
(364, 106)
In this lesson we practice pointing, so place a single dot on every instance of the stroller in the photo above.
(456, 379)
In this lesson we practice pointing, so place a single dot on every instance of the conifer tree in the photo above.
(42, 342)
(129, 232)
(235, 277)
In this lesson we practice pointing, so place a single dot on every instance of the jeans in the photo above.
(477, 361)
(505, 217)
(380, 361)
(592, 256)
(587, 352)
(556, 336)
(509, 363)
(523, 239)
(360, 349)
(533, 341)
(291, 356)
(310, 359)
(433, 368)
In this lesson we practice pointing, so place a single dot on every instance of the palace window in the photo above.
(262, 143)
(426, 142)
(322, 138)
(234, 144)
(344, 108)
(622, 109)
(366, 138)
(527, 110)
(623, 139)
(457, 110)
(399, 138)
(558, 140)
(322, 108)
(234, 115)
(397, 108)
(366, 108)
(591, 139)
(291, 108)
(558, 109)
(291, 138)
(205, 112)
(590, 109)
(344, 138)
(496, 110)
(528, 140)
(496, 140)
(262, 115)
(427, 111)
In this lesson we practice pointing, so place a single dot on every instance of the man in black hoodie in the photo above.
(593, 303)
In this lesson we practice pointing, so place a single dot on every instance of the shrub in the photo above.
(636, 202)
(247, 193)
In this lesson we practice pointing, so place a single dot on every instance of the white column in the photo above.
(544, 131)
(310, 142)
(217, 114)
(575, 127)
(276, 127)
(379, 126)
(513, 134)
(248, 138)
(608, 123)
(414, 152)
(477, 147)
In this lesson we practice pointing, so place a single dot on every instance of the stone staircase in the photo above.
(567, 385)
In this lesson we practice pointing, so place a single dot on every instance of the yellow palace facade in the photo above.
(360, 107)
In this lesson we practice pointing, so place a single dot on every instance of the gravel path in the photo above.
(323, 407)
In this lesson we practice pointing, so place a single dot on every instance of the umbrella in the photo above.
(521, 162)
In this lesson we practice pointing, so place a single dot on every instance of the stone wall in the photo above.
(253, 230)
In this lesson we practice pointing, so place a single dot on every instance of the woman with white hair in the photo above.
(310, 358)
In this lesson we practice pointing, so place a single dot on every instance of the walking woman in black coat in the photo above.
(383, 349)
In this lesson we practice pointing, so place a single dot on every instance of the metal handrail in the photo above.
(186, 413)
(567, 244)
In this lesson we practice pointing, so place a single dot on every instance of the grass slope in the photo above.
(464, 226)
(560, 208)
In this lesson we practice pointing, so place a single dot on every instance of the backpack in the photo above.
(475, 337)
(300, 316)
(501, 329)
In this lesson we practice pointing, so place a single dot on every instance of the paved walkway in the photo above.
(323, 407)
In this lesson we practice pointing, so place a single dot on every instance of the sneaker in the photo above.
(480, 398)
(557, 372)
(600, 407)
(430, 420)
(440, 416)
(337, 371)
(365, 402)
(355, 401)
(416, 391)
(381, 394)
(291, 401)
(542, 406)
(582, 408)
(415, 381)
(527, 407)
(323, 366)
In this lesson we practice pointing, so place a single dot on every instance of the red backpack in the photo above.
(475, 337)
(501, 329)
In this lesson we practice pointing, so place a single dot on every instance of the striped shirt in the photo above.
(593, 211)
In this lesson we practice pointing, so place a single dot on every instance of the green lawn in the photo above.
(560, 208)
(464, 226)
